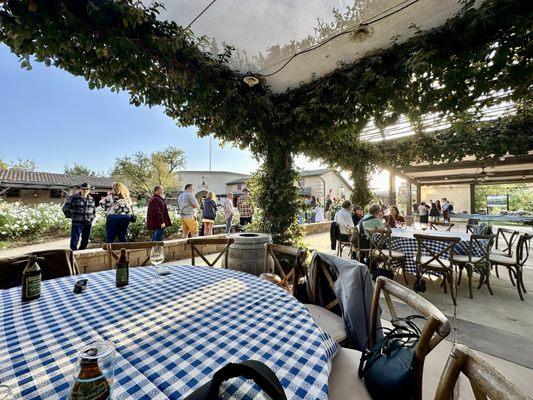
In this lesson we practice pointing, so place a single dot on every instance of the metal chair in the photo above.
(110, 248)
(196, 249)
(341, 245)
(357, 246)
(479, 244)
(275, 272)
(515, 264)
(509, 237)
(485, 380)
(446, 226)
(381, 250)
(436, 262)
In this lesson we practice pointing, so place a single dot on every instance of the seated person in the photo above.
(394, 218)
(371, 220)
(343, 218)
(357, 214)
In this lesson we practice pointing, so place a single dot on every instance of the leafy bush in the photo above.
(31, 221)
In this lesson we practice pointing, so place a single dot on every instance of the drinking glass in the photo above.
(157, 256)
(6, 393)
(95, 371)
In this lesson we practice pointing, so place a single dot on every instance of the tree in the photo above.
(3, 165)
(23, 165)
(78, 170)
(520, 195)
(141, 172)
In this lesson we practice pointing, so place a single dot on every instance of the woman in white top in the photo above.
(119, 212)
(423, 210)
(343, 218)
(319, 212)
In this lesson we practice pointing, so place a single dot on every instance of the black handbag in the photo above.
(388, 367)
(263, 377)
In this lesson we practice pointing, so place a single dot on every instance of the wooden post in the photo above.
(472, 198)
(418, 193)
(409, 209)
(392, 188)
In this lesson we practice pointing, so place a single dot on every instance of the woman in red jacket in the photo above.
(157, 218)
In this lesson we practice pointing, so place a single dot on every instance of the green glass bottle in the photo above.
(31, 280)
(122, 269)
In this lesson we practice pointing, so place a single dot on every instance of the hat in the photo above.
(245, 189)
(85, 186)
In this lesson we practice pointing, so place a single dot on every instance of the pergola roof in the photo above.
(508, 169)
(291, 42)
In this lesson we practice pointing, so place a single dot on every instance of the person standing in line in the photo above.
(415, 208)
(188, 207)
(81, 209)
(445, 210)
(327, 208)
(245, 207)
(434, 212)
(319, 211)
(229, 211)
(119, 212)
(157, 217)
(423, 213)
(209, 213)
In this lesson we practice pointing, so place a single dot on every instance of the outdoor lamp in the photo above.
(251, 80)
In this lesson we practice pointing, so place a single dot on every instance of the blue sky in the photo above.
(53, 118)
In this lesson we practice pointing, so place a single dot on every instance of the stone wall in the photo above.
(92, 260)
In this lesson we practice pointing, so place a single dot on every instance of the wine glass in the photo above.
(6, 393)
(157, 256)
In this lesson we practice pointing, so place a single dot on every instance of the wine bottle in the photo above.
(122, 269)
(31, 280)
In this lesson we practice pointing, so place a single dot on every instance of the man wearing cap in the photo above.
(81, 209)
(245, 207)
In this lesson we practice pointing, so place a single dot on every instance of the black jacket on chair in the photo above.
(334, 234)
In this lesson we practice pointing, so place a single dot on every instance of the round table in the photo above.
(170, 336)
(404, 241)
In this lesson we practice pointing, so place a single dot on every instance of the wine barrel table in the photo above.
(170, 335)
(247, 252)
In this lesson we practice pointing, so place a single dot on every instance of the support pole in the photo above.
(472, 198)
(392, 188)
(409, 202)
(418, 193)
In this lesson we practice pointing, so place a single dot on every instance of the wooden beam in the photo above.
(472, 198)
(511, 160)
(392, 187)
(488, 175)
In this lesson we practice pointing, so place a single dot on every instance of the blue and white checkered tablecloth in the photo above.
(170, 336)
(404, 241)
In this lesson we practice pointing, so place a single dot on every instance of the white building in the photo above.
(208, 181)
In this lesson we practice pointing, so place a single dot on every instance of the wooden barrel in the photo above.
(247, 253)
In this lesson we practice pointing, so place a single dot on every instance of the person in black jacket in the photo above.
(81, 209)
(209, 213)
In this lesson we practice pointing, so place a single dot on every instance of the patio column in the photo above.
(472, 198)
(418, 193)
(392, 188)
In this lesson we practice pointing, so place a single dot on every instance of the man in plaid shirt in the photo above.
(245, 207)
(81, 209)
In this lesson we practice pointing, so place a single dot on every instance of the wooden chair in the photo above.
(357, 247)
(113, 250)
(479, 244)
(515, 264)
(509, 237)
(326, 317)
(54, 264)
(485, 380)
(341, 245)
(274, 271)
(471, 224)
(436, 326)
(435, 261)
(196, 250)
(381, 250)
(440, 226)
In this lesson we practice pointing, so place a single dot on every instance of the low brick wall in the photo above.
(92, 260)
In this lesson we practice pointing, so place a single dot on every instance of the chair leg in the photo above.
(481, 281)
(460, 274)
(443, 284)
(404, 273)
(469, 274)
(496, 269)
(452, 291)
(511, 277)
(522, 281)
(487, 281)
(519, 286)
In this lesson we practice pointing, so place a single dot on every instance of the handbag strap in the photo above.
(263, 376)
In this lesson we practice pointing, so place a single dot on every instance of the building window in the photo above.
(55, 194)
(239, 186)
(13, 192)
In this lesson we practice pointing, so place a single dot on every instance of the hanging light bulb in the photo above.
(251, 80)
